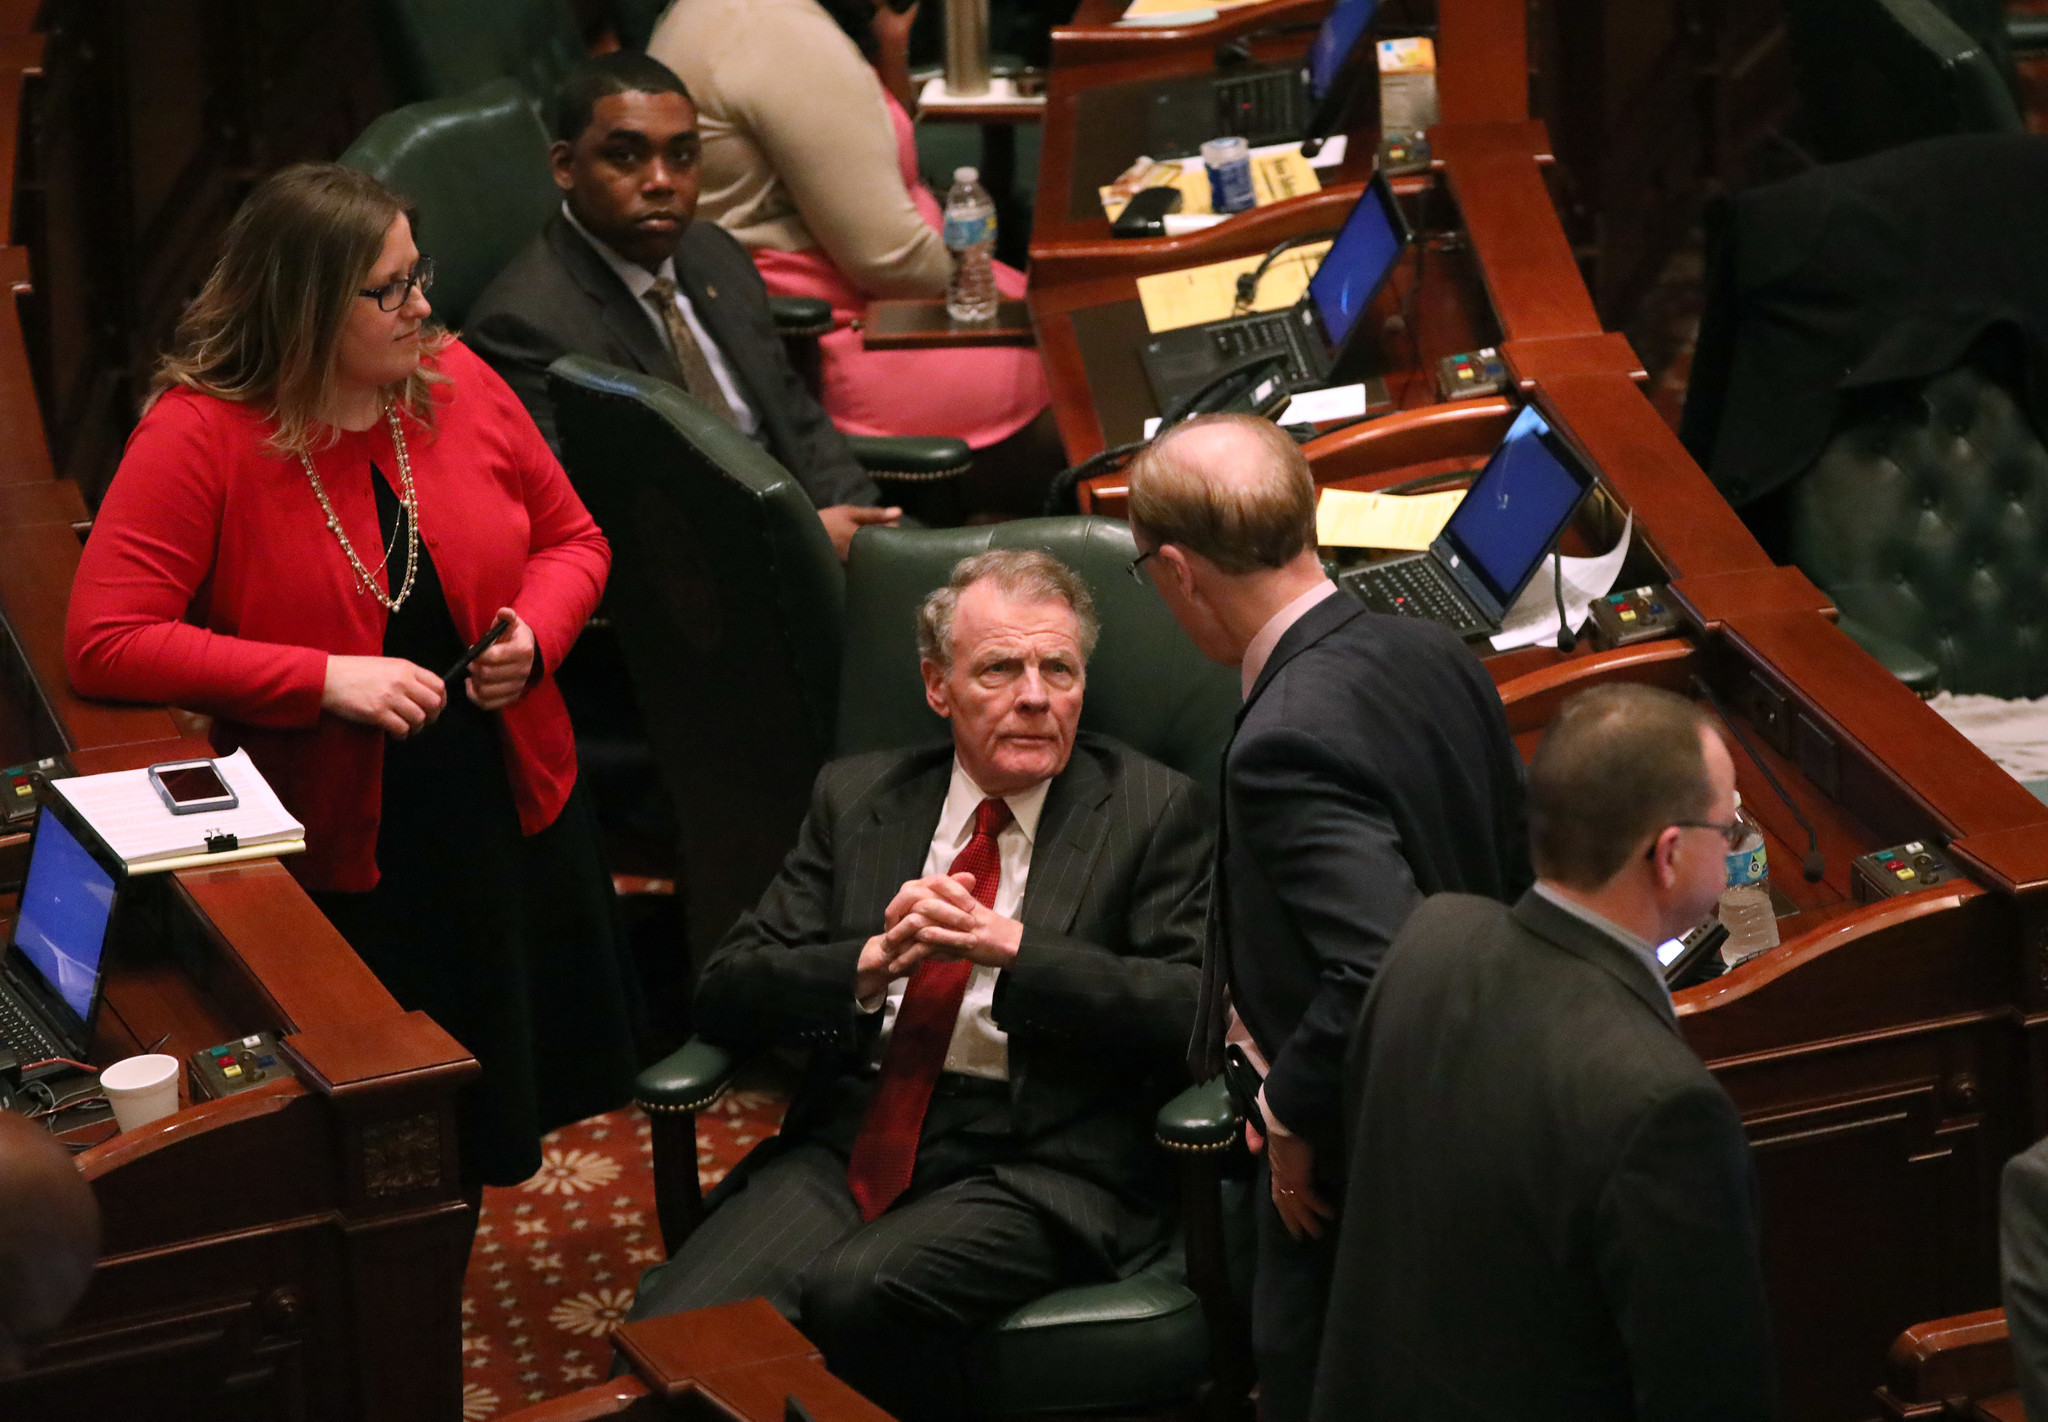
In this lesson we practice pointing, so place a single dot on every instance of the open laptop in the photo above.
(53, 969)
(1317, 337)
(1264, 103)
(1507, 524)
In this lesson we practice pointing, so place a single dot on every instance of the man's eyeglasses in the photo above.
(1732, 833)
(394, 294)
(1133, 567)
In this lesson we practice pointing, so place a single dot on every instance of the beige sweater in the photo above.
(799, 151)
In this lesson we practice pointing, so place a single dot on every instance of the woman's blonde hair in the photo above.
(265, 330)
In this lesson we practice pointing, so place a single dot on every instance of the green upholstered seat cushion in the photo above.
(1908, 664)
(1147, 685)
(1926, 520)
(914, 457)
(476, 168)
(1137, 1342)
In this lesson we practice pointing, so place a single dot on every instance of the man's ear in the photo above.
(1663, 857)
(561, 164)
(1173, 561)
(935, 695)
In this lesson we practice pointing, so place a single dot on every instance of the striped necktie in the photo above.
(885, 1151)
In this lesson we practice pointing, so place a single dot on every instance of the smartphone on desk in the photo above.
(192, 787)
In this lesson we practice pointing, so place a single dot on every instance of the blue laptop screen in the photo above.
(1357, 262)
(1516, 507)
(65, 905)
(1339, 35)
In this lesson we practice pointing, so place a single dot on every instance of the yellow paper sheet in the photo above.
(1197, 294)
(1275, 177)
(1349, 520)
(1139, 9)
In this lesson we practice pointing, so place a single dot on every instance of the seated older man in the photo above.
(993, 947)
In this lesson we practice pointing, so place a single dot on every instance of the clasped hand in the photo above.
(938, 917)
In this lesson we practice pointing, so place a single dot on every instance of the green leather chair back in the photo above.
(476, 168)
(1147, 685)
(1874, 74)
(728, 601)
(438, 48)
(1926, 519)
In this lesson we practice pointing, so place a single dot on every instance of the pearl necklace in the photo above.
(409, 506)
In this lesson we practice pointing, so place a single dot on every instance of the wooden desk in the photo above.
(1481, 77)
(1512, 281)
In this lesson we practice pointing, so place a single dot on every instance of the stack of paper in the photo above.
(1196, 294)
(1279, 172)
(125, 810)
(1404, 521)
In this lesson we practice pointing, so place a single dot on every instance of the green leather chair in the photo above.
(1926, 520)
(728, 603)
(477, 168)
(435, 49)
(1874, 74)
(1175, 1330)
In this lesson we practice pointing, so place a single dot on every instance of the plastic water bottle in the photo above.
(1745, 906)
(971, 238)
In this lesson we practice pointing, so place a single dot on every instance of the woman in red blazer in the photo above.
(325, 502)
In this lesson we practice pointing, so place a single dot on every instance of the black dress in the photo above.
(506, 940)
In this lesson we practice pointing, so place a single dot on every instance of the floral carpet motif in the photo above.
(557, 1258)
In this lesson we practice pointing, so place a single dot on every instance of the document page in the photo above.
(126, 811)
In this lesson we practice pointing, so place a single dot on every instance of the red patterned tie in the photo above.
(885, 1151)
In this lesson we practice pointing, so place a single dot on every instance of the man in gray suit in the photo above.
(623, 274)
(992, 947)
(1549, 1206)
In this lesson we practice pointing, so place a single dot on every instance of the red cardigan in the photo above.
(211, 581)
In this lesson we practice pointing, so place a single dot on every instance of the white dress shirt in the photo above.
(640, 281)
(979, 1047)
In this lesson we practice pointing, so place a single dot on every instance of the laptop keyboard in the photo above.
(1260, 104)
(1258, 333)
(1413, 587)
(21, 1034)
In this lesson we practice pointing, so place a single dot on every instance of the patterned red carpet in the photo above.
(556, 1258)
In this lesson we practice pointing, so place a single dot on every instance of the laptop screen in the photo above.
(1339, 36)
(1515, 510)
(65, 906)
(1358, 262)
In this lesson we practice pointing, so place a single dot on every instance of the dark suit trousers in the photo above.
(890, 1304)
(1290, 1292)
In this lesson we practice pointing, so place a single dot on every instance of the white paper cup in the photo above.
(141, 1089)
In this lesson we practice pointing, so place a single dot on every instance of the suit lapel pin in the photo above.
(710, 291)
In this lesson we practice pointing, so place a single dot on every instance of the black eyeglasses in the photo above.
(394, 294)
(1135, 563)
(1732, 833)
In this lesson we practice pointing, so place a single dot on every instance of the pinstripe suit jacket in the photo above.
(1098, 1005)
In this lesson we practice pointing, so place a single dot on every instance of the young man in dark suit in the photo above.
(1550, 1208)
(990, 947)
(623, 274)
(1371, 767)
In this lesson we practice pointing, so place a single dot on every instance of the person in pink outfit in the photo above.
(808, 159)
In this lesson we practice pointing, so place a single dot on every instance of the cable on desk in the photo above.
(1248, 282)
